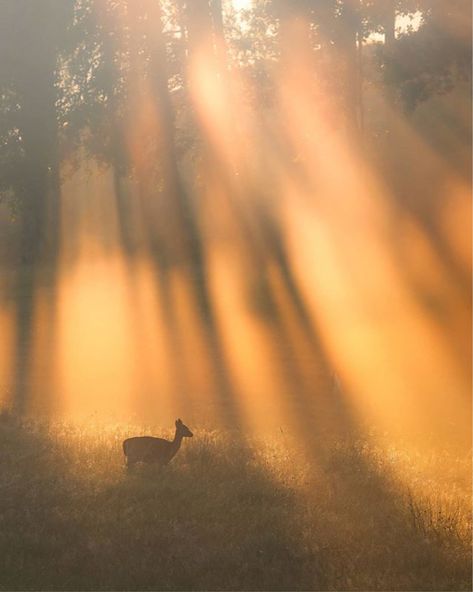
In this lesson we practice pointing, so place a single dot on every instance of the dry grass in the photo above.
(227, 514)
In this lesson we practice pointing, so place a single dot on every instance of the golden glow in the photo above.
(307, 260)
(242, 4)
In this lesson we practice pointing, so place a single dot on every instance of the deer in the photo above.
(147, 449)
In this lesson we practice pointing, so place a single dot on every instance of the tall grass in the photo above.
(226, 514)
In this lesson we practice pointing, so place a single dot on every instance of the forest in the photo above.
(254, 215)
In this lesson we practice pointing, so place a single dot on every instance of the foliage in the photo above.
(71, 87)
(434, 58)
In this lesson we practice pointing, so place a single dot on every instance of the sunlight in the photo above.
(235, 295)
(406, 23)
(7, 351)
(242, 4)
(200, 289)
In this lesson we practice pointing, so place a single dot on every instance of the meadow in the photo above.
(255, 216)
(228, 513)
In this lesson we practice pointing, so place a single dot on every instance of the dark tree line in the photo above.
(73, 73)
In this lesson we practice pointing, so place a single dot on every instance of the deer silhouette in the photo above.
(147, 449)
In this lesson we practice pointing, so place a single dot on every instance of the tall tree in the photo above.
(432, 58)
(30, 74)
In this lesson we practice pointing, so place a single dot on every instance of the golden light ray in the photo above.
(367, 314)
(7, 355)
(302, 267)
(96, 354)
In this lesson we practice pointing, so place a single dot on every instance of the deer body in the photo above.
(147, 449)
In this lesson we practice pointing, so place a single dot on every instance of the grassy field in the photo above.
(227, 515)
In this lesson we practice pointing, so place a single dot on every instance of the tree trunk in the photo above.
(40, 219)
(349, 43)
(389, 24)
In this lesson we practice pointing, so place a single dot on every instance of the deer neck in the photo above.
(177, 441)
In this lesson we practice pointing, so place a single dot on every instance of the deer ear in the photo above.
(178, 421)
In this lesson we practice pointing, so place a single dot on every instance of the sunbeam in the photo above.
(247, 224)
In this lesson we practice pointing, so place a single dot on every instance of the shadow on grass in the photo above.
(366, 514)
(74, 518)
(222, 516)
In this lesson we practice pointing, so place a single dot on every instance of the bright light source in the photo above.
(242, 4)
(406, 22)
